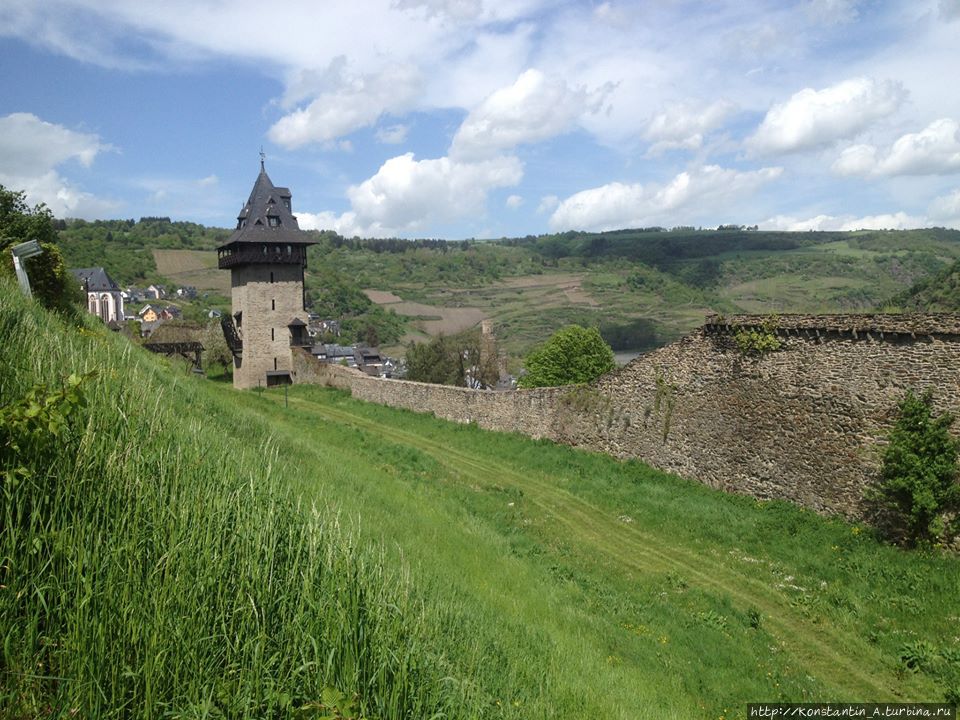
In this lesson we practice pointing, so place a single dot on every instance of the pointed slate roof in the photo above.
(95, 280)
(267, 216)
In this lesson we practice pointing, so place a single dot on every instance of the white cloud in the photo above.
(935, 150)
(813, 119)
(514, 201)
(856, 160)
(27, 142)
(407, 195)
(689, 195)
(945, 210)
(533, 108)
(393, 135)
(31, 154)
(682, 126)
(357, 101)
(889, 221)
(548, 203)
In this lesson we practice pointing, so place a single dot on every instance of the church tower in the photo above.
(266, 256)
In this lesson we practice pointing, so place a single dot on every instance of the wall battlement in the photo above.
(886, 327)
(805, 423)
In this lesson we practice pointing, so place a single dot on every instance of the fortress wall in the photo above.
(804, 423)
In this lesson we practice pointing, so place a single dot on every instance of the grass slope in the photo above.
(162, 559)
(610, 590)
(154, 563)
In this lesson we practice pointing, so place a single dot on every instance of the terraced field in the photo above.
(193, 267)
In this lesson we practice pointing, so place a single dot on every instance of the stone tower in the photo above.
(266, 256)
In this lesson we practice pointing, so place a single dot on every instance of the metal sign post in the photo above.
(20, 253)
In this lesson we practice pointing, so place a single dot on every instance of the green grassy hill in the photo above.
(162, 557)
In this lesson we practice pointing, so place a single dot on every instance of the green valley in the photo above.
(642, 288)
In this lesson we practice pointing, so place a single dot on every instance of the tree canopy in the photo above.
(50, 282)
(452, 360)
(572, 355)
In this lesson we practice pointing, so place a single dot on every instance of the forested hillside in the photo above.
(641, 287)
(938, 293)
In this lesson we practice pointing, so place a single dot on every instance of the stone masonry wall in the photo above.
(804, 423)
(269, 297)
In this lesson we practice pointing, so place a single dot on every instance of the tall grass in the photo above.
(152, 563)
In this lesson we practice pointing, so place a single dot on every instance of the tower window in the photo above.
(271, 337)
(271, 277)
(273, 304)
(273, 221)
(274, 363)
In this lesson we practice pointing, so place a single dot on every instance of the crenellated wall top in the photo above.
(897, 328)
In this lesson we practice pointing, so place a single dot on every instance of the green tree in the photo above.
(919, 475)
(448, 359)
(50, 282)
(438, 361)
(572, 355)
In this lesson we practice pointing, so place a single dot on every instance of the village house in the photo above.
(149, 313)
(155, 292)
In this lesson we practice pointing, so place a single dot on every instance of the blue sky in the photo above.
(469, 118)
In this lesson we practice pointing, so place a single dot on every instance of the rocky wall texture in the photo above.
(805, 422)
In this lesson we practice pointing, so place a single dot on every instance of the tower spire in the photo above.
(263, 156)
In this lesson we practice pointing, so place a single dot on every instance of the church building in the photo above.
(266, 256)
(104, 298)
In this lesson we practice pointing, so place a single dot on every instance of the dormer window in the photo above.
(273, 221)
(286, 203)
(242, 223)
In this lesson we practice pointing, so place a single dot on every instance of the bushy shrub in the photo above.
(571, 355)
(919, 477)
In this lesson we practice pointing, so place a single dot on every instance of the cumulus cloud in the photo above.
(682, 126)
(935, 150)
(514, 201)
(407, 195)
(813, 119)
(945, 210)
(889, 221)
(32, 152)
(356, 101)
(533, 108)
(690, 194)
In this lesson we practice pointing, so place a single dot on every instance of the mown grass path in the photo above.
(835, 656)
